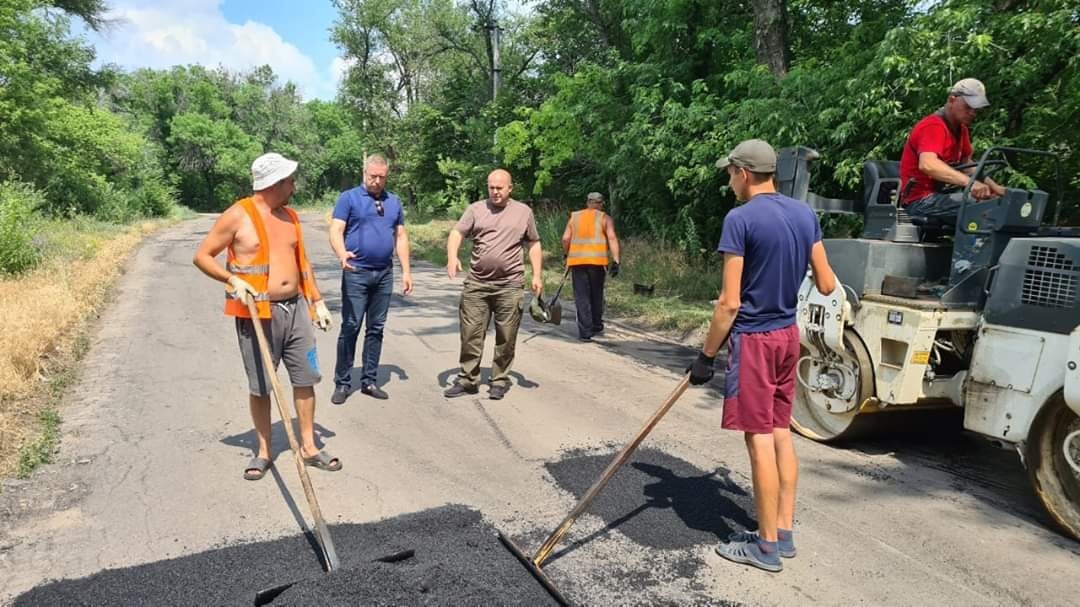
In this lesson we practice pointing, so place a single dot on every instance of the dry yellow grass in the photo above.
(41, 313)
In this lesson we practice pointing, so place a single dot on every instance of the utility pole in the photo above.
(496, 70)
(493, 27)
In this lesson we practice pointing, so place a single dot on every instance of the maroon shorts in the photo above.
(759, 383)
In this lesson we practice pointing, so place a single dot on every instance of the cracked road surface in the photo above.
(156, 433)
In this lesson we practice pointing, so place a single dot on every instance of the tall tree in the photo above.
(770, 35)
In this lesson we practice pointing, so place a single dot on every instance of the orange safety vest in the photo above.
(588, 246)
(257, 272)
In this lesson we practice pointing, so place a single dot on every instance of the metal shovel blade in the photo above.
(554, 313)
(536, 572)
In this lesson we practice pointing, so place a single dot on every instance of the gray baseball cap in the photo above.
(753, 155)
(973, 92)
(597, 196)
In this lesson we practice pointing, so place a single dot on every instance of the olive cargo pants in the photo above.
(479, 303)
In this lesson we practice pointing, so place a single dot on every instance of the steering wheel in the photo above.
(990, 167)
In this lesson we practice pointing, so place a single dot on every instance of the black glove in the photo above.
(614, 271)
(702, 369)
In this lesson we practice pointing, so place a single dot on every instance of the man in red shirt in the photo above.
(936, 144)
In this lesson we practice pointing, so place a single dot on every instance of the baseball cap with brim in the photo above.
(973, 92)
(753, 155)
(269, 169)
(597, 196)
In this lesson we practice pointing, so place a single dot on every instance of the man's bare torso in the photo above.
(284, 272)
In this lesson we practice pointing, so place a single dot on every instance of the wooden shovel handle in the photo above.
(613, 467)
(322, 533)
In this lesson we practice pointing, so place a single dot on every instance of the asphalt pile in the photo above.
(458, 561)
(658, 500)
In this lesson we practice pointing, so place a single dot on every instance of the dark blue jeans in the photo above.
(938, 205)
(365, 298)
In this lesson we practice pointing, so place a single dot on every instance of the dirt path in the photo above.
(156, 434)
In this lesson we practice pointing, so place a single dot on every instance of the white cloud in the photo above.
(340, 66)
(183, 32)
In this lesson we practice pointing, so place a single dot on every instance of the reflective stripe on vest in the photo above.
(588, 245)
(239, 268)
(257, 271)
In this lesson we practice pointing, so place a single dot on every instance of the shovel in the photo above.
(322, 533)
(549, 312)
(535, 563)
(554, 308)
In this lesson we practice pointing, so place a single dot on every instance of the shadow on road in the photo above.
(659, 500)
(939, 457)
(279, 442)
(382, 376)
(445, 378)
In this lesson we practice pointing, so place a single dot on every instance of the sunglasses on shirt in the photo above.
(379, 208)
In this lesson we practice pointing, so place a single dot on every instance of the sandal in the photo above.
(256, 468)
(323, 461)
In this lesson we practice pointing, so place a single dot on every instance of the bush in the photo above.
(18, 226)
(322, 202)
(550, 224)
(460, 189)
(151, 194)
(142, 193)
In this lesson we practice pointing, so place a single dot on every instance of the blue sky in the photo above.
(291, 36)
(304, 23)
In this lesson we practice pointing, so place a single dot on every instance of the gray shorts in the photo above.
(290, 336)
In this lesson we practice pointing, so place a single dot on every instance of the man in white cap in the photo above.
(939, 142)
(266, 261)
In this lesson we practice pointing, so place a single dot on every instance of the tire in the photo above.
(1055, 482)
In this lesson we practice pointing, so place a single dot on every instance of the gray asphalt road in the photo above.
(156, 433)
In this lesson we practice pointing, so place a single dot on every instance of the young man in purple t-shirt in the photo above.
(767, 243)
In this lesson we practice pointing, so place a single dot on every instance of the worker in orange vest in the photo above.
(266, 261)
(588, 239)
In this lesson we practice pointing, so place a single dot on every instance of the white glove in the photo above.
(241, 287)
(323, 320)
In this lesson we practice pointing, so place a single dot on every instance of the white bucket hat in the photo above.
(269, 169)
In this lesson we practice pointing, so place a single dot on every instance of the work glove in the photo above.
(614, 270)
(241, 287)
(323, 320)
(701, 371)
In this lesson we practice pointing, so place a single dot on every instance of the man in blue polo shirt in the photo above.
(368, 226)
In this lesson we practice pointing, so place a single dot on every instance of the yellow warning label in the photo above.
(973, 226)
(920, 358)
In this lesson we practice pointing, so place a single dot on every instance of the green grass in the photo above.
(40, 450)
(683, 288)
